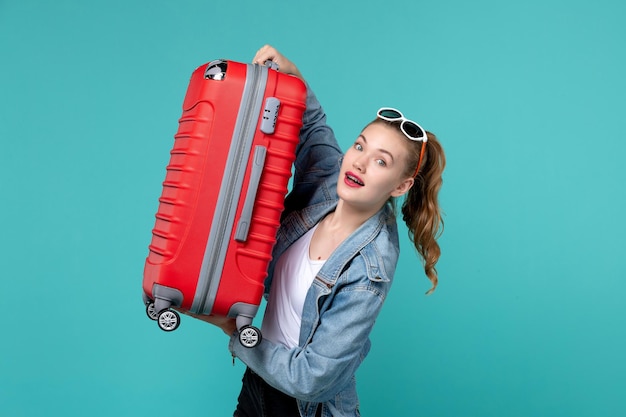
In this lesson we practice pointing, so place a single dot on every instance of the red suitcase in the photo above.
(223, 194)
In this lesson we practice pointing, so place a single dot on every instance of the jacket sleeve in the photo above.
(327, 362)
(317, 158)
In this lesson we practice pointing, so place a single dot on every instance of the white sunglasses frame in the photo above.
(403, 120)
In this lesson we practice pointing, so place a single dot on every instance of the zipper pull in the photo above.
(326, 284)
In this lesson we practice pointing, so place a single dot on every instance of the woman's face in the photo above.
(374, 168)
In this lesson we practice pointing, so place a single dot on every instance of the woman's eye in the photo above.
(358, 146)
(381, 162)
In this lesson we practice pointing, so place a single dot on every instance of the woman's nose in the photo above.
(358, 164)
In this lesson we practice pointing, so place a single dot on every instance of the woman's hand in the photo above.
(227, 324)
(268, 52)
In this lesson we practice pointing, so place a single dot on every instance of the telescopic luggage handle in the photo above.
(243, 226)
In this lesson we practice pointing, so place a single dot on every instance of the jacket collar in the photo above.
(351, 247)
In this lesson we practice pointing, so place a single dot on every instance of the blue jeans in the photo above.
(259, 399)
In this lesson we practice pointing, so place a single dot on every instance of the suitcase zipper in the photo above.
(231, 185)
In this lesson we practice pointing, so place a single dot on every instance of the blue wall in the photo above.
(527, 97)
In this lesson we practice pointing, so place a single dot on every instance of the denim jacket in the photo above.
(346, 296)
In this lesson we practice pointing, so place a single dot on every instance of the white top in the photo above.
(293, 275)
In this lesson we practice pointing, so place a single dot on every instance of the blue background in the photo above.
(527, 98)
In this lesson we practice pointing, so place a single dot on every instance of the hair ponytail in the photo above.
(421, 211)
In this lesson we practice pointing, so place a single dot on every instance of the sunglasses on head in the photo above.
(409, 128)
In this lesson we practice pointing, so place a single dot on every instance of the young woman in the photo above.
(335, 258)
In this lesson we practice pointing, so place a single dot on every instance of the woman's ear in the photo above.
(403, 187)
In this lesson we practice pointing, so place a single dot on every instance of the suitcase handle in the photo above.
(243, 226)
(271, 64)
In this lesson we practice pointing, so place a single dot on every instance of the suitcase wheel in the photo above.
(151, 312)
(168, 320)
(249, 336)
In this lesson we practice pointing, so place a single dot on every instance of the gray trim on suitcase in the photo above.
(165, 297)
(244, 313)
(243, 225)
(232, 183)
